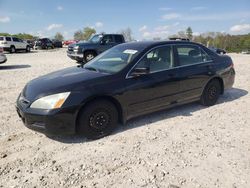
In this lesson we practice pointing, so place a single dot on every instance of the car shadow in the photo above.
(10, 67)
(21, 52)
(183, 110)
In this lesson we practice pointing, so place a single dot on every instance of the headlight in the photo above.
(76, 48)
(51, 101)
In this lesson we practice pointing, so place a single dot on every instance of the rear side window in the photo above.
(15, 39)
(107, 39)
(189, 54)
(118, 38)
(1, 38)
(8, 38)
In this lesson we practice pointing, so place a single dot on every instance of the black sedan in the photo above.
(128, 80)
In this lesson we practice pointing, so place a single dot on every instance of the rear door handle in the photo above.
(172, 75)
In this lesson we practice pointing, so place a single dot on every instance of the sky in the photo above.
(147, 18)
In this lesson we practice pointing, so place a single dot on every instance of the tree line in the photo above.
(231, 43)
(26, 36)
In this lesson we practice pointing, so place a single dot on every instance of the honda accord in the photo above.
(128, 80)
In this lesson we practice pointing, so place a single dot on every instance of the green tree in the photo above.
(127, 33)
(78, 35)
(59, 36)
(87, 33)
(189, 33)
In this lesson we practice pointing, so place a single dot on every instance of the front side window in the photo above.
(95, 38)
(158, 59)
(190, 54)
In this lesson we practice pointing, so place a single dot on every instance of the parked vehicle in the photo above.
(31, 42)
(245, 52)
(44, 43)
(3, 58)
(68, 42)
(13, 44)
(85, 51)
(57, 43)
(218, 50)
(128, 80)
(179, 38)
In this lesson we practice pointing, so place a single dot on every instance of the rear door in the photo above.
(22, 44)
(195, 67)
(15, 42)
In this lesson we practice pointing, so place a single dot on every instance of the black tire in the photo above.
(97, 119)
(211, 93)
(89, 56)
(12, 49)
(27, 48)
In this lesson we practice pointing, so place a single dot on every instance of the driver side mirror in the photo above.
(139, 72)
(103, 42)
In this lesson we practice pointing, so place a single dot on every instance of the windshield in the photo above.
(113, 60)
(95, 38)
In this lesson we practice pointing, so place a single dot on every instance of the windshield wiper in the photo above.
(92, 69)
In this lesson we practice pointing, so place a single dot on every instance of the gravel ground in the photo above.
(188, 146)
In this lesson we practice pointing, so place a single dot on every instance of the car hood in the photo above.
(81, 44)
(64, 80)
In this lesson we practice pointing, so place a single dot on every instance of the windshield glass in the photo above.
(113, 60)
(95, 38)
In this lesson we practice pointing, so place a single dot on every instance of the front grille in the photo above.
(70, 48)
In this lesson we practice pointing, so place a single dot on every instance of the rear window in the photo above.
(8, 38)
(15, 39)
(1, 38)
(118, 39)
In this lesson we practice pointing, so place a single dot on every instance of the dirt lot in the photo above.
(188, 146)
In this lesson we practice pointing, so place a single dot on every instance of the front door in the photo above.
(106, 43)
(157, 89)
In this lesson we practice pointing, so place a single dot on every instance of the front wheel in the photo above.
(211, 93)
(89, 56)
(97, 119)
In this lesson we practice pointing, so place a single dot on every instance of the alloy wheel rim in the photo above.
(99, 120)
(89, 57)
(212, 92)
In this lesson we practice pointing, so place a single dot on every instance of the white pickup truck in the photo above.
(13, 44)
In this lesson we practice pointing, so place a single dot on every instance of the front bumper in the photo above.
(75, 55)
(50, 122)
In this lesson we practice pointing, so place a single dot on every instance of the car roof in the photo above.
(150, 44)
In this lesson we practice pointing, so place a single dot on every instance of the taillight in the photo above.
(1, 50)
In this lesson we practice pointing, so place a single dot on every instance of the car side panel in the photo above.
(193, 78)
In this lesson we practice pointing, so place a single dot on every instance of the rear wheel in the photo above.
(211, 93)
(27, 48)
(89, 56)
(97, 119)
(12, 49)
